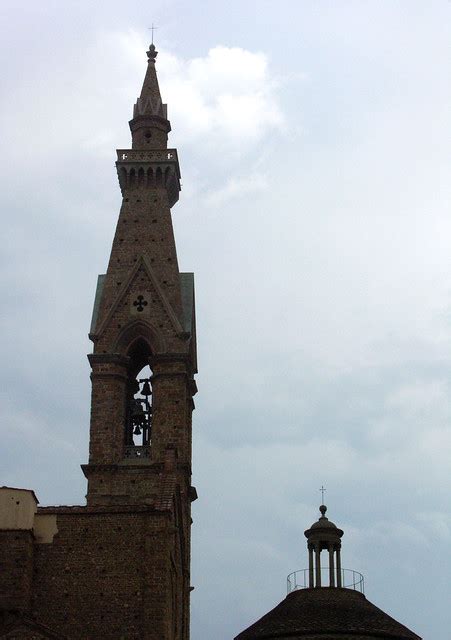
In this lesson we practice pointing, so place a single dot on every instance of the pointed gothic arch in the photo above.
(140, 330)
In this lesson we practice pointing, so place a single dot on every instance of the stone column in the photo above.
(331, 566)
(318, 564)
(339, 582)
(311, 580)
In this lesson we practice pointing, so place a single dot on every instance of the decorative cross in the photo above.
(152, 28)
(140, 303)
(323, 490)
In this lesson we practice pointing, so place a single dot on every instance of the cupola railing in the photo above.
(350, 579)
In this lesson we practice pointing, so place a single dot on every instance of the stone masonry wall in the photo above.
(106, 575)
(16, 558)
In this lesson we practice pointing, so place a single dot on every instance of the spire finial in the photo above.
(153, 28)
(152, 53)
(323, 491)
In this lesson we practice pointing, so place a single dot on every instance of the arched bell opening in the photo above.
(138, 414)
(139, 330)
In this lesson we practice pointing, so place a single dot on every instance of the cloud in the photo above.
(236, 188)
(228, 96)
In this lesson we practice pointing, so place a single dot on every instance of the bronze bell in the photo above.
(137, 431)
(146, 391)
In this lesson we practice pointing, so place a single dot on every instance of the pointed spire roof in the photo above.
(149, 102)
(150, 124)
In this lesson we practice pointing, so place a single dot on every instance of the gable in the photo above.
(139, 297)
(24, 629)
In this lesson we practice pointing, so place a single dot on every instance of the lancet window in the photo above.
(138, 414)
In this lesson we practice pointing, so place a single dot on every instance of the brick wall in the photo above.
(107, 575)
(16, 562)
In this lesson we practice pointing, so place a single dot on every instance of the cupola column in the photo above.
(318, 564)
(324, 536)
(339, 584)
(311, 578)
(331, 566)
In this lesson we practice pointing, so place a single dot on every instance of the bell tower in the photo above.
(119, 566)
(143, 326)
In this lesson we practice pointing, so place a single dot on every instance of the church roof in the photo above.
(21, 489)
(323, 524)
(326, 612)
(187, 290)
(149, 102)
(97, 301)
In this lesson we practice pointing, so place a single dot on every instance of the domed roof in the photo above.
(326, 612)
(323, 523)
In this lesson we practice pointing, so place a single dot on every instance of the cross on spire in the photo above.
(152, 28)
(323, 490)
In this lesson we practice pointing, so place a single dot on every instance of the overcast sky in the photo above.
(313, 137)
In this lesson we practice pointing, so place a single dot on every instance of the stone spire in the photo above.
(150, 125)
(149, 178)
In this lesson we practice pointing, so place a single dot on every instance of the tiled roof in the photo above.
(323, 612)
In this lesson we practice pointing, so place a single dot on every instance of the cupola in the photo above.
(325, 603)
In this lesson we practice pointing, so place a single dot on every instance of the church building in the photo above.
(118, 568)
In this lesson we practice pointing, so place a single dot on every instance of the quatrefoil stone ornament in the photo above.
(140, 304)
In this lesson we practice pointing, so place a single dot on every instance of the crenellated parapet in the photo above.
(149, 169)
